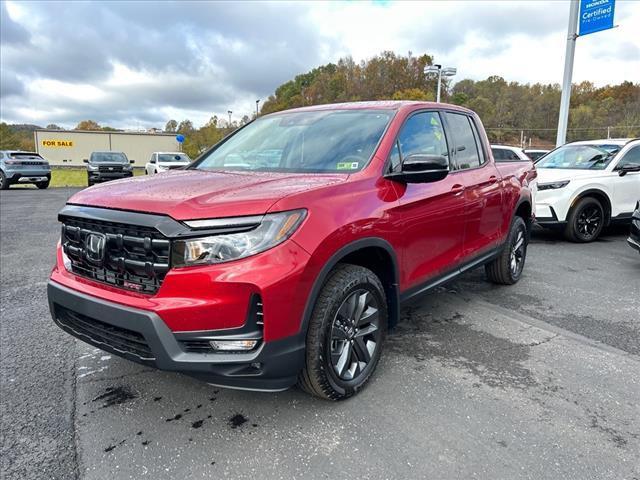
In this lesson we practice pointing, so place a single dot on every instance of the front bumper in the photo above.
(143, 337)
(105, 176)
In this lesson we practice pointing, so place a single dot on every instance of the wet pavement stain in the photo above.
(177, 417)
(114, 396)
(494, 361)
(197, 424)
(237, 420)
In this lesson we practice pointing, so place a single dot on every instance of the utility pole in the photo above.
(572, 34)
(229, 112)
(257, 102)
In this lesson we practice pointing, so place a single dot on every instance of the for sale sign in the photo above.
(596, 15)
(57, 143)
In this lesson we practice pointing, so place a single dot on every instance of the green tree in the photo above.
(171, 126)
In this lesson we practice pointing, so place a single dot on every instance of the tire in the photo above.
(506, 268)
(89, 182)
(340, 358)
(585, 221)
(43, 185)
(4, 181)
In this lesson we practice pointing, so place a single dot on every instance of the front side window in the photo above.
(467, 155)
(320, 141)
(422, 134)
(578, 157)
(631, 158)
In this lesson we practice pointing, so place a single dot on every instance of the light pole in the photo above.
(229, 112)
(565, 97)
(257, 102)
(441, 71)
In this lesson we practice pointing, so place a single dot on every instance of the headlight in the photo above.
(92, 168)
(128, 166)
(273, 229)
(552, 185)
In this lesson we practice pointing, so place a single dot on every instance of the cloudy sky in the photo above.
(129, 64)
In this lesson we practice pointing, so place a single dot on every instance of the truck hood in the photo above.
(191, 194)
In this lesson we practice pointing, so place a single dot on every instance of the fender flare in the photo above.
(392, 291)
(590, 192)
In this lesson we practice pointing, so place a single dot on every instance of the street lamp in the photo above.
(446, 71)
(257, 102)
(229, 112)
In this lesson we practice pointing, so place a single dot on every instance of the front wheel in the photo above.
(346, 332)
(585, 221)
(506, 268)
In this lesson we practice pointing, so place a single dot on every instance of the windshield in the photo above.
(173, 157)
(115, 157)
(318, 141)
(579, 157)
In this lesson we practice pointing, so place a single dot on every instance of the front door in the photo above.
(430, 215)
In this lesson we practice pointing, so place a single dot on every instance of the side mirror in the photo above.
(132, 161)
(420, 168)
(153, 160)
(632, 167)
(85, 160)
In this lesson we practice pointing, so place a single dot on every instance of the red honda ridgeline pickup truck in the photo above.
(283, 253)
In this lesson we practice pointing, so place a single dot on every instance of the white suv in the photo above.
(584, 186)
(507, 153)
(163, 161)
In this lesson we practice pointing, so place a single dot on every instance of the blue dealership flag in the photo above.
(596, 15)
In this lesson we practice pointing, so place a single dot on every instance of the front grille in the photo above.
(101, 334)
(109, 169)
(132, 257)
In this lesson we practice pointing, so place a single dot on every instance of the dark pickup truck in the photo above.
(103, 166)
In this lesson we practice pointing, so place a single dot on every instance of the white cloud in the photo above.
(133, 63)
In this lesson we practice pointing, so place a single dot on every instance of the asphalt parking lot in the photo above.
(538, 380)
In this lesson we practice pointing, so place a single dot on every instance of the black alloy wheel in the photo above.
(355, 335)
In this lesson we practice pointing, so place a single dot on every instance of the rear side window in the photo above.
(466, 148)
(504, 155)
(422, 133)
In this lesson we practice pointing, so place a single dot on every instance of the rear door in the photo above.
(430, 215)
(482, 186)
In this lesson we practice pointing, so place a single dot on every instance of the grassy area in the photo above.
(75, 177)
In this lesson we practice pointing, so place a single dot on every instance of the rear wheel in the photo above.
(4, 181)
(506, 268)
(585, 221)
(346, 332)
(43, 185)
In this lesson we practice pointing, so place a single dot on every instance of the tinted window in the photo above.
(173, 157)
(632, 157)
(116, 157)
(422, 133)
(476, 136)
(314, 141)
(505, 155)
(464, 140)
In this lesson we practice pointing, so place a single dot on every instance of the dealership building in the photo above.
(70, 147)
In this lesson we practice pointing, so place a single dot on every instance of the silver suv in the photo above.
(23, 167)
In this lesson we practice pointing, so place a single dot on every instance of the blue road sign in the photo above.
(180, 138)
(596, 15)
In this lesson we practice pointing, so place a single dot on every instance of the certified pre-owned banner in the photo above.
(596, 15)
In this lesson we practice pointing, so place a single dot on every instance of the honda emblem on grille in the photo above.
(94, 247)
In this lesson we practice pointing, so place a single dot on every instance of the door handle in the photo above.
(493, 179)
(457, 189)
